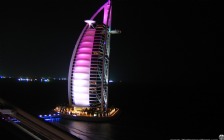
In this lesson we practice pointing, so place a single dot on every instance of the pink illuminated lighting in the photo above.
(81, 72)
(80, 65)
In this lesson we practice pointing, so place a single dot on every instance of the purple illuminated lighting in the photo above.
(81, 73)
(80, 64)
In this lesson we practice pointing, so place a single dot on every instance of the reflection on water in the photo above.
(98, 131)
(86, 130)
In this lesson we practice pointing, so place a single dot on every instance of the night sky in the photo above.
(161, 42)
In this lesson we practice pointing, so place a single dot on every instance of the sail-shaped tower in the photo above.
(89, 65)
(88, 75)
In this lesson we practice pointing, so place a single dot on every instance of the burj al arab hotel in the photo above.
(88, 75)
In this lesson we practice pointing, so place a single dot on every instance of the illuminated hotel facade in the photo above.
(88, 75)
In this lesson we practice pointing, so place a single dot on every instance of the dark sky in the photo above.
(161, 42)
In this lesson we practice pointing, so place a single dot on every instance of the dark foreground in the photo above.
(9, 132)
(164, 111)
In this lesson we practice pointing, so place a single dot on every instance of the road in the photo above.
(36, 127)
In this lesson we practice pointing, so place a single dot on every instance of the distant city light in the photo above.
(25, 79)
(44, 80)
(111, 81)
(1, 77)
(33, 79)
